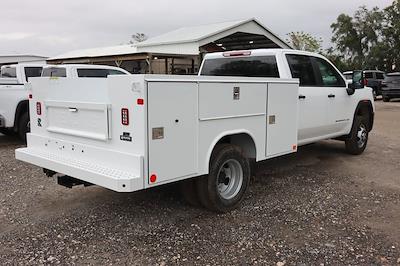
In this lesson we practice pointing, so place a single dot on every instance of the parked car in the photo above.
(372, 79)
(82, 71)
(141, 131)
(391, 87)
(14, 111)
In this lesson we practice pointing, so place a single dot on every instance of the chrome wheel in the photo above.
(230, 179)
(362, 136)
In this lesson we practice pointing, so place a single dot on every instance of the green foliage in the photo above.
(304, 41)
(368, 40)
(138, 37)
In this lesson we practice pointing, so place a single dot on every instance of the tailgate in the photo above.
(91, 129)
(86, 120)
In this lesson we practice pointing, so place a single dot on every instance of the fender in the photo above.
(224, 135)
(365, 104)
(22, 107)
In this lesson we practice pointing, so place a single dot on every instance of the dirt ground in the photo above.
(319, 206)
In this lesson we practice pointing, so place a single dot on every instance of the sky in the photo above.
(52, 27)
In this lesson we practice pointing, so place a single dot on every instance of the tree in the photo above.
(304, 41)
(368, 39)
(138, 37)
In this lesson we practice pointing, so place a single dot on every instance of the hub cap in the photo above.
(362, 136)
(230, 179)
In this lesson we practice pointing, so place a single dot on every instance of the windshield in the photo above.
(8, 72)
(256, 66)
(54, 72)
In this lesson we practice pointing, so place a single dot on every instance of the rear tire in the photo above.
(23, 126)
(358, 140)
(228, 179)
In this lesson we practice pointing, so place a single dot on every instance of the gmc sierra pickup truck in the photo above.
(14, 116)
(133, 132)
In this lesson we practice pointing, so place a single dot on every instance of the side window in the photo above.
(115, 72)
(31, 72)
(329, 77)
(92, 73)
(368, 75)
(8, 72)
(302, 68)
(380, 76)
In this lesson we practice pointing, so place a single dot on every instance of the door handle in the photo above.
(72, 109)
(302, 96)
(331, 95)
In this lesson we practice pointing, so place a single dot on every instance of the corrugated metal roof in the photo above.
(100, 51)
(191, 34)
(180, 36)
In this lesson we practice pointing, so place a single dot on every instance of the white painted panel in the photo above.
(282, 119)
(217, 100)
(87, 120)
(172, 110)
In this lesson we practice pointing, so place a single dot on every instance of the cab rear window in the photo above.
(59, 72)
(31, 72)
(255, 66)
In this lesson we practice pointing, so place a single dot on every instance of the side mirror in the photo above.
(357, 82)
(358, 79)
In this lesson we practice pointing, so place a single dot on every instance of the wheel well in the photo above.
(22, 108)
(365, 109)
(242, 140)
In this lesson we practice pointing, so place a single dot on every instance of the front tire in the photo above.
(24, 126)
(358, 139)
(228, 179)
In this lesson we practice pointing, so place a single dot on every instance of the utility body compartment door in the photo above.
(172, 130)
(282, 119)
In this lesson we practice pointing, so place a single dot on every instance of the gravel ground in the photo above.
(319, 206)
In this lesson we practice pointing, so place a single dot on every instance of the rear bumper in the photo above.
(92, 172)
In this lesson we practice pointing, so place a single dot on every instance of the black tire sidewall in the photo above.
(22, 129)
(351, 143)
(220, 156)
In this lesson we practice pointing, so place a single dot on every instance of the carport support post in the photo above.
(149, 61)
(166, 65)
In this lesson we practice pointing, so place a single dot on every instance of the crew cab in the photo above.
(128, 133)
(14, 113)
(14, 116)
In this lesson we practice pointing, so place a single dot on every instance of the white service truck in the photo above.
(14, 113)
(128, 133)
(14, 104)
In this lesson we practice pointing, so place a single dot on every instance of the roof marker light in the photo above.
(237, 53)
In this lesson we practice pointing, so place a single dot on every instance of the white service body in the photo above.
(79, 132)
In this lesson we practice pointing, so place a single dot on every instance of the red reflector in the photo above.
(125, 116)
(140, 101)
(237, 53)
(30, 96)
(153, 178)
(39, 108)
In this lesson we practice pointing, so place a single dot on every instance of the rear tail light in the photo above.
(125, 116)
(365, 82)
(30, 96)
(237, 53)
(38, 108)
